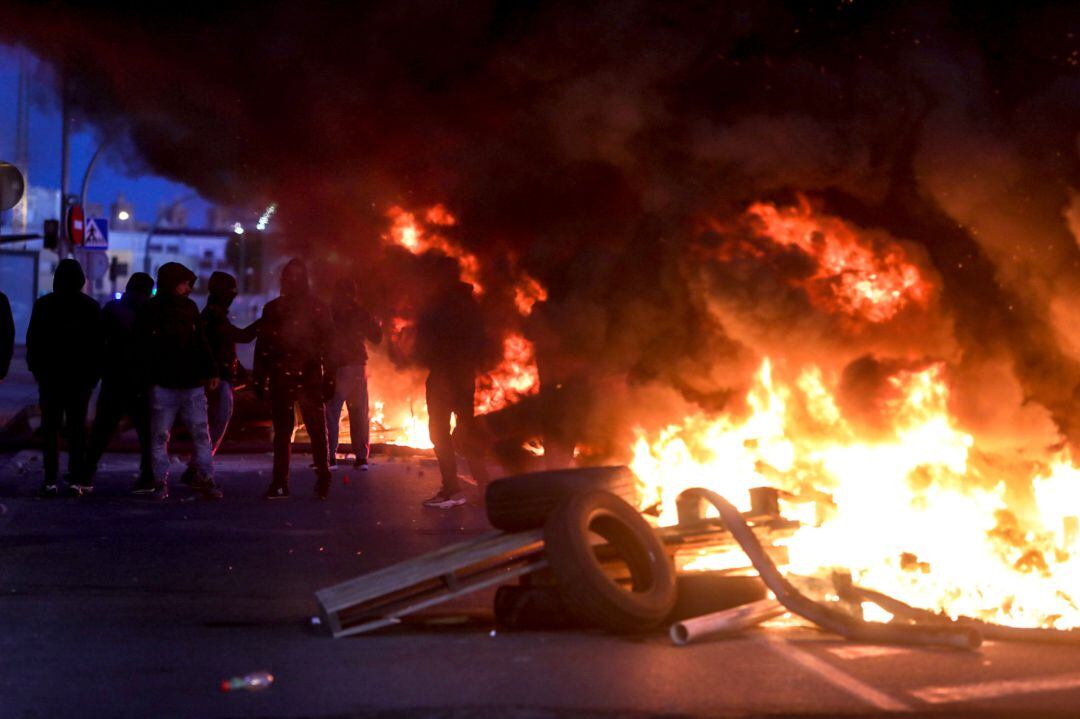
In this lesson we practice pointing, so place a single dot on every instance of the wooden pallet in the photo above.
(381, 598)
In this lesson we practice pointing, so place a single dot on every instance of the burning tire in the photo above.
(587, 590)
(525, 501)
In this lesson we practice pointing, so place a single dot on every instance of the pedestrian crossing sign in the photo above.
(96, 236)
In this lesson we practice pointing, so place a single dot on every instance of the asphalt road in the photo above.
(114, 606)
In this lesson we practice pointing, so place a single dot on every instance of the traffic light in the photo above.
(51, 234)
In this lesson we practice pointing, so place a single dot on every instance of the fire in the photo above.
(527, 293)
(399, 412)
(870, 279)
(406, 231)
(514, 378)
(913, 514)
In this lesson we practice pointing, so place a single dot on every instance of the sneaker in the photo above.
(277, 491)
(322, 487)
(361, 464)
(212, 491)
(445, 500)
(196, 480)
(148, 487)
(80, 487)
(49, 490)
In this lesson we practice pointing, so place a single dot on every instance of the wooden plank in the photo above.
(428, 566)
(395, 617)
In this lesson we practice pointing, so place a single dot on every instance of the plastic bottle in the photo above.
(254, 682)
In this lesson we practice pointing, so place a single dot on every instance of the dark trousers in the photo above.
(283, 396)
(116, 401)
(452, 393)
(60, 403)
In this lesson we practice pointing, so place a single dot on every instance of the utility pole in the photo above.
(65, 164)
(22, 144)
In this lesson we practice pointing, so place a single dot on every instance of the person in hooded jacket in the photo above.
(122, 393)
(63, 353)
(181, 370)
(353, 328)
(223, 336)
(452, 343)
(7, 335)
(293, 360)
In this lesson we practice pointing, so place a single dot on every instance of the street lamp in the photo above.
(123, 215)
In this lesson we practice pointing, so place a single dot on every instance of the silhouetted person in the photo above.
(181, 369)
(223, 336)
(63, 353)
(451, 343)
(124, 391)
(293, 358)
(7, 335)
(353, 326)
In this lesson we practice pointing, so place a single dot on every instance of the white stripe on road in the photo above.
(864, 651)
(994, 690)
(840, 680)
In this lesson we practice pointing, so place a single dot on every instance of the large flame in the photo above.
(416, 237)
(514, 378)
(911, 514)
(872, 280)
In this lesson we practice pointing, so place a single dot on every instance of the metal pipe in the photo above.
(830, 619)
(726, 622)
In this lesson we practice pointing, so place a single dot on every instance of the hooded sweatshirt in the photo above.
(118, 330)
(296, 335)
(63, 340)
(7, 335)
(220, 331)
(171, 335)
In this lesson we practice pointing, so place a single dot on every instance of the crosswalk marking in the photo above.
(994, 690)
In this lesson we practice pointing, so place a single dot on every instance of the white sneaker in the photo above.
(443, 500)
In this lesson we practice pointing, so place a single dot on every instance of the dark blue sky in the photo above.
(109, 178)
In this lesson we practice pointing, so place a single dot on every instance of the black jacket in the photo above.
(296, 342)
(353, 327)
(171, 336)
(63, 340)
(7, 335)
(450, 333)
(223, 335)
(121, 358)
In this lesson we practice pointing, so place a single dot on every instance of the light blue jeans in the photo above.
(219, 409)
(351, 391)
(190, 405)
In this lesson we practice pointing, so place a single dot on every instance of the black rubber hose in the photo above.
(989, 630)
(825, 617)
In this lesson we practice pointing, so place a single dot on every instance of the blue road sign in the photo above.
(96, 236)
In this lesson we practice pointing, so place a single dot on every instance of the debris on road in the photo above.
(254, 682)
(587, 558)
(726, 622)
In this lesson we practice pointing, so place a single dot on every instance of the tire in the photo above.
(700, 593)
(524, 501)
(537, 608)
(587, 591)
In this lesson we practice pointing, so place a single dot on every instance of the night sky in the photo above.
(110, 177)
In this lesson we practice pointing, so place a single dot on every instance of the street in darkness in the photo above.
(123, 607)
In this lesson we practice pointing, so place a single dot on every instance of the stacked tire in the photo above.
(574, 506)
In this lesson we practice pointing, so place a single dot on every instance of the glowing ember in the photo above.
(514, 378)
(418, 238)
(527, 293)
(909, 514)
(872, 280)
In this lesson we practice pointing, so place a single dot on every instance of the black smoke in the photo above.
(586, 143)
